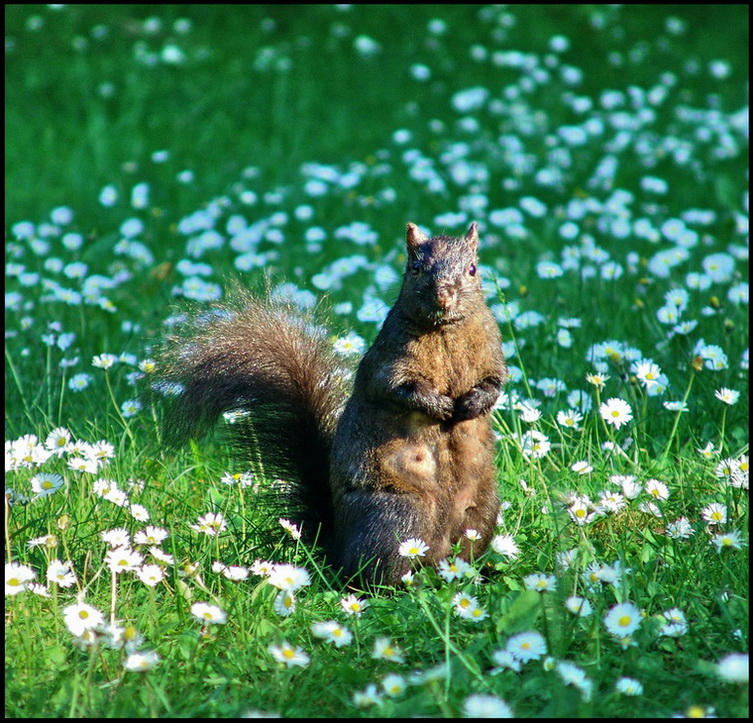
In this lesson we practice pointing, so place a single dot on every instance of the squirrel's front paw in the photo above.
(424, 398)
(443, 407)
(470, 405)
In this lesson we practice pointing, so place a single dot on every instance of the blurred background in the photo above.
(93, 90)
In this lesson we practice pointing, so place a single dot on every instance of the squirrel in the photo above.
(409, 454)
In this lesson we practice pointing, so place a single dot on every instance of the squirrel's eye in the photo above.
(415, 268)
(472, 269)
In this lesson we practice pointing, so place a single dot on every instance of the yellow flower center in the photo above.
(624, 621)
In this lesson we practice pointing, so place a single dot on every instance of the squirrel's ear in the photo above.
(471, 237)
(414, 237)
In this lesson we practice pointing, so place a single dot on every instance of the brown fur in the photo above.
(412, 452)
(404, 457)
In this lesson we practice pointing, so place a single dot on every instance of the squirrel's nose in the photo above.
(445, 297)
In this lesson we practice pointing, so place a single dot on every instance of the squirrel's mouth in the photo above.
(439, 317)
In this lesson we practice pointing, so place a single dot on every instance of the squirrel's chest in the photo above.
(448, 362)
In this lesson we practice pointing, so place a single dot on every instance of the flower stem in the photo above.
(470, 665)
(113, 597)
(721, 431)
(678, 414)
(123, 420)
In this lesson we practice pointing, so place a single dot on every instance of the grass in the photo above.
(602, 149)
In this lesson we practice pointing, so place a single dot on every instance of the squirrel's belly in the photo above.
(393, 453)
(411, 460)
(409, 465)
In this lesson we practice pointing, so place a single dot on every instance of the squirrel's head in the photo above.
(441, 281)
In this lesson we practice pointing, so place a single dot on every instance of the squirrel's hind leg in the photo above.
(372, 524)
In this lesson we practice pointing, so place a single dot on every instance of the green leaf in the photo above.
(726, 190)
(707, 668)
(55, 655)
(187, 645)
(521, 614)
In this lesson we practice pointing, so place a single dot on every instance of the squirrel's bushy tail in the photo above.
(277, 371)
